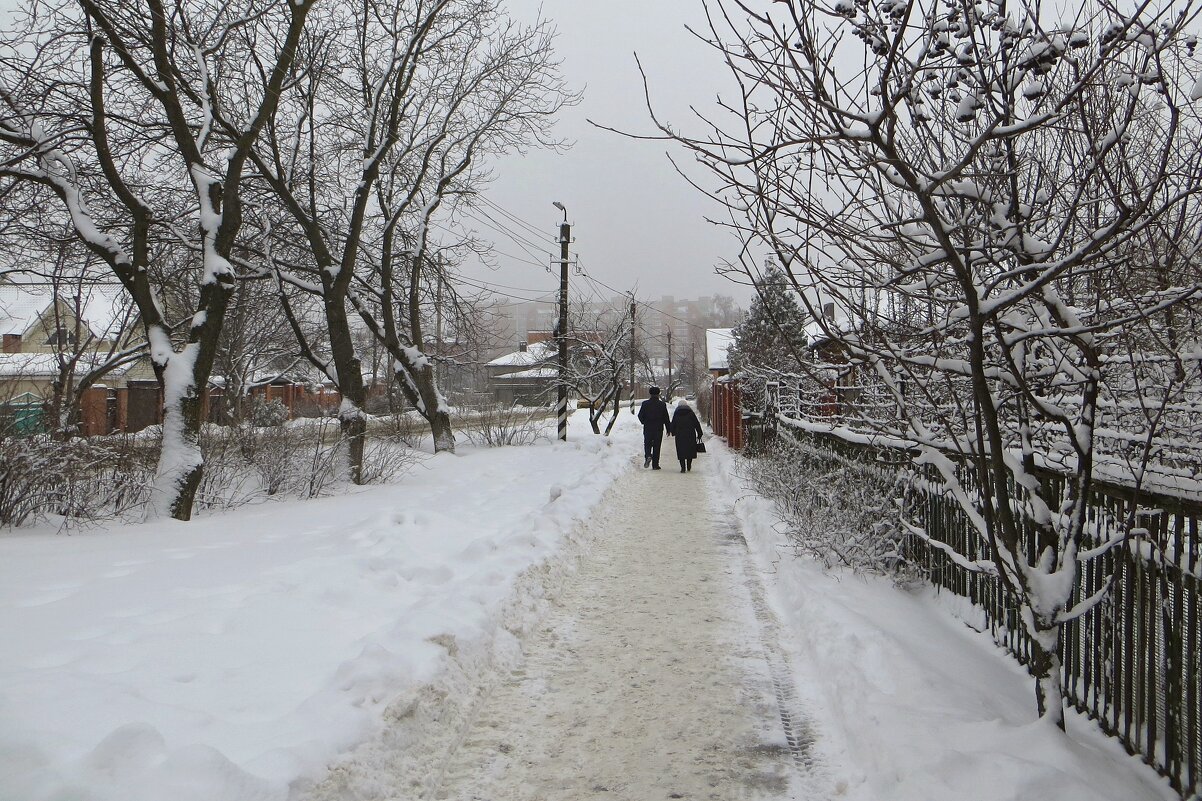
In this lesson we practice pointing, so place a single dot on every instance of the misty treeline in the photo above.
(988, 215)
(233, 164)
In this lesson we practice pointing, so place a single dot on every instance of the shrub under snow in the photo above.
(42, 478)
(836, 509)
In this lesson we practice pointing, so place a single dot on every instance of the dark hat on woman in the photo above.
(653, 390)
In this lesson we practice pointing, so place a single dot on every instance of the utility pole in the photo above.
(694, 375)
(633, 308)
(565, 238)
(668, 389)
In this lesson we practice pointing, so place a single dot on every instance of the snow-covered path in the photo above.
(649, 678)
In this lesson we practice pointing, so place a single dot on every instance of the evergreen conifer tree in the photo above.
(773, 335)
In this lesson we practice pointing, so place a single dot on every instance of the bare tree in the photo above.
(967, 185)
(151, 133)
(598, 362)
(403, 100)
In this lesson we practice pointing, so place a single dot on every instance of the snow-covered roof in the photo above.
(717, 340)
(538, 352)
(106, 310)
(41, 365)
(841, 322)
(22, 305)
(536, 372)
(298, 373)
(20, 308)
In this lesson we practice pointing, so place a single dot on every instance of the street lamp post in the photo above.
(565, 237)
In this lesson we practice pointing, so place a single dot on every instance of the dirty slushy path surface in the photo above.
(655, 675)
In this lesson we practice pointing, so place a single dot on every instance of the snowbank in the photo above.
(236, 656)
(911, 704)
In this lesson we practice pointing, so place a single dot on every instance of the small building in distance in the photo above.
(526, 376)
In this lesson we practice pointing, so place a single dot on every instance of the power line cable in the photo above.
(520, 259)
(545, 297)
(648, 306)
(525, 244)
(536, 230)
(487, 284)
(535, 236)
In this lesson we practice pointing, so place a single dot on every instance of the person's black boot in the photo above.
(647, 462)
(682, 465)
(689, 464)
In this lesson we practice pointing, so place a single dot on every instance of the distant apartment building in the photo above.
(686, 319)
(678, 323)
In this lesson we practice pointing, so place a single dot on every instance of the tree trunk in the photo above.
(353, 432)
(434, 408)
(352, 424)
(617, 409)
(1045, 665)
(62, 411)
(180, 466)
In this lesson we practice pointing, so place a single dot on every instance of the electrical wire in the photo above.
(492, 288)
(533, 240)
(535, 230)
(484, 283)
(647, 306)
(520, 259)
(525, 244)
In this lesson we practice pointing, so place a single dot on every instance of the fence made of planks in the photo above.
(1133, 661)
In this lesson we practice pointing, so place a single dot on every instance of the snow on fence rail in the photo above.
(1169, 461)
(1133, 662)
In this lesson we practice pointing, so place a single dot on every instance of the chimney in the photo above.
(523, 346)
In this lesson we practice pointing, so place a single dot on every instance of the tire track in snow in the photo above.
(799, 729)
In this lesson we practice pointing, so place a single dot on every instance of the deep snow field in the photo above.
(237, 657)
(221, 659)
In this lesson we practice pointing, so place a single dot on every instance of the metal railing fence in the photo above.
(1132, 662)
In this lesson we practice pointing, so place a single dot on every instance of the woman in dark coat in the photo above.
(687, 430)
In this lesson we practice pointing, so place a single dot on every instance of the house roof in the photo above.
(717, 341)
(540, 373)
(536, 353)
(837, 322)
(20, 308)
(22, 305)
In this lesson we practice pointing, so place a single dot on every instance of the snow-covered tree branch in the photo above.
(982, 208)
(385, 135)
(127, 140)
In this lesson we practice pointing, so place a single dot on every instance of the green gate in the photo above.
(25, 415)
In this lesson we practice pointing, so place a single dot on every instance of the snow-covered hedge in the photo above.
(497, 425)
(44, 479)
(837, 510)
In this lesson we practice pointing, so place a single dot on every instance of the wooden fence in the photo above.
(1133, 662)
(726, 413)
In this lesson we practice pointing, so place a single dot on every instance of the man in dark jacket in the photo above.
(653, 414)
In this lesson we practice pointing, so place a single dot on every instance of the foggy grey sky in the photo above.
(634, 219)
